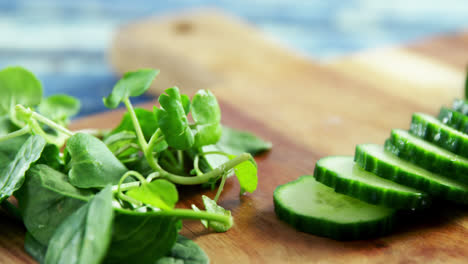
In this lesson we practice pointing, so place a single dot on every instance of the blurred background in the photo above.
(65, 43)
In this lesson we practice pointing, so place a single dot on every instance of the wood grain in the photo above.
(308, 110)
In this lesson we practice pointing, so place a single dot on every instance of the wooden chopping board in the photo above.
(308, 110)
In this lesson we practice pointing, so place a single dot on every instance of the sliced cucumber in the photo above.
(315, 208)
(434, 131)
(454, 119)
(461, 106)
(427, 155)
(375, 159)
(341, 174)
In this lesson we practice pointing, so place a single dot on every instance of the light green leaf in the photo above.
(173, 121)
(12, 176)
(85, 236)
(132, 84)
(147, 121)
(60, 108)
(207, 116)
(246, 174)
(92, 163)
(236, 142)
(18, 86)
(159, 193)
(185, 251)
(212, 207)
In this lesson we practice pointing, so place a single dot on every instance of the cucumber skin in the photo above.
(454, 119)
(337, 231)
(388, 171)
(438, 136)
(461, 106)
(430, 161)
(369, 194)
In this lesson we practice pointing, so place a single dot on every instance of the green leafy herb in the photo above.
(246, 173)
(84, 237)
(18, 86)
(46, 199)
(59, 108)
(132, 84)
(159, 193)
(236, 142)
(12, 177)
(185, 251)
(92, 163)
(173, 121)
(212, 207)
(207, 117)
(51, 156)
(147, 121)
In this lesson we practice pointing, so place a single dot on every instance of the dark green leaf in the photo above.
(92, 163)
(34, 248)
(10, 147)
(12, 176)
(185, 251)
(246, 174)
(173, 121)
(147, 121)
(207, 117)
(46, 199)
(59, 108)
(132, 84)
(85, 236)
(51, 156)
(18, 86)
(236, 142)
(212, 207)
(159, 193)
(141, 237)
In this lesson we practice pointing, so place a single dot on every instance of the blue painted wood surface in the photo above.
(65, 42)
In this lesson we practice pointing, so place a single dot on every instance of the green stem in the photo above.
(198, 215)
(23, 131)
(125, 187)
(214, 153)
(196, 167)
(136, 125)
(221, 187)
(180, 157)
(43, 119)
(155, 139)
(207, 176)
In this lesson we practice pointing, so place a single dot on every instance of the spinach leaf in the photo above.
(173, 121)
(246, 174)
(207, 116)
(51, 156)
(59, 108)
(84, 237)
(185, 251)
(159, 193)
(12, 177)
(18, 86)
(46, 199)
(212, 207)
(141, 237)
(92, 163)
(236, 142)
(34, 248)
(147, 121)
(132, 84)
(11, 146)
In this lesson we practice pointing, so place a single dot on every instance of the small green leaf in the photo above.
(51, 156)
(185, 251)
(92, 163)
(12, 177)
(147, 121)
(185, 103)
(46, 199)
(246, 174)
(212, 207)
(207, 116)
(85, 236)
(173, 121)
(236, 142)
(132, 84)
(18, 86)
(60, 108)
(159, 193)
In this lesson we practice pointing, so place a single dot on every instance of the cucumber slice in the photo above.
(427, 155)
(461, 106)
(375, 159)
(315, 208)
(454, 119)
(341, 174)
(434, 131)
